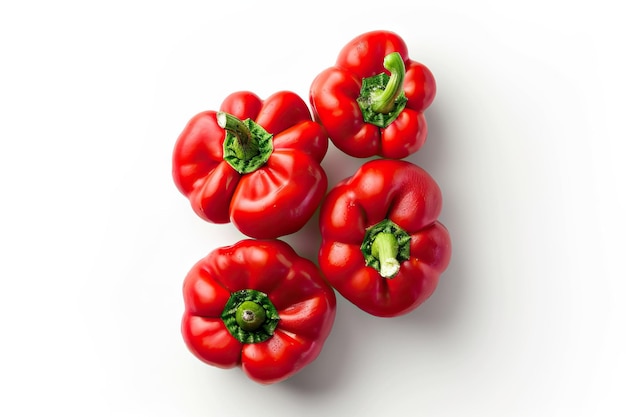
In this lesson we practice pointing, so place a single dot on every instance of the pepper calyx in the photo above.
(247, 145)
(385, 246)
(250, 316)
(382, 97)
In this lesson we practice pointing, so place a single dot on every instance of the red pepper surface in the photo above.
(382, 246)
(372, 101)
(255, 163)
(258, 305)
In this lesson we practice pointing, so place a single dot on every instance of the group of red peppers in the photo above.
(257, 164)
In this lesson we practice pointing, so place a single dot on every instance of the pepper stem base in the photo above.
(385, 247)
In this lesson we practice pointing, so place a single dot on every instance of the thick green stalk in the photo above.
(385, 100)
(244, 146)
(247, 146)
(382, 97)
(250, 316)
(385, 246)
(385, 249)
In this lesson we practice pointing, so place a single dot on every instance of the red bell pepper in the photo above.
(255, 163)
(372, 101)
(382, 247)
(258, 305)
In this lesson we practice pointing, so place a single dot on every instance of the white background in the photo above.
(526, 137)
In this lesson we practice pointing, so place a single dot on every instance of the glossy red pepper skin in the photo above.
(276, 199)
(408, 196)
(304, 301)
(334, 92)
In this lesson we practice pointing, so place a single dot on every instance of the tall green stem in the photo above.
(385, 246)
(382, 97)
(247, 146)
(244, 146)
(384, 101)
(385, 249)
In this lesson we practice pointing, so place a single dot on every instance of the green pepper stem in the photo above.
(384, 101)
(385, 249)
(250, 315)
(244, 147)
